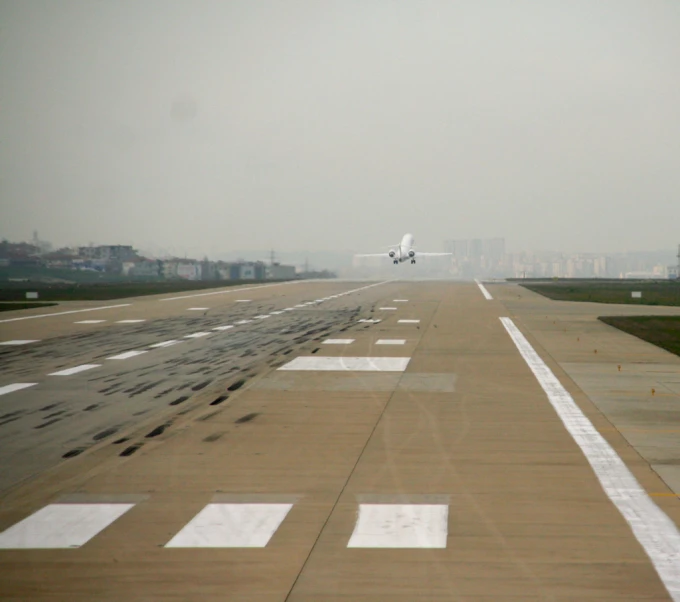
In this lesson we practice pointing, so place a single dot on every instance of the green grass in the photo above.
(663, 331)
(664, 292)
(110, 290)
(19, 305)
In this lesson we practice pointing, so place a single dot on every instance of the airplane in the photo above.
(404, 251)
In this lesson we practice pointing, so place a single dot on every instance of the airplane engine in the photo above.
(391, 253)
(411, 254)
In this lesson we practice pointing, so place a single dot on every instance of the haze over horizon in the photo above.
(340, 125)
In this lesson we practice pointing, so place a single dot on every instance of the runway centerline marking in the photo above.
(362, 364)
(231, 526)
(387, 308)
(657, 534)
(15, 387)
(20, 342)
(74, 370)
(61, 526)
(129, 321)
(408, 321)
(164, 344)
(64, 313)
(198, 309)
(126, 355)
(338, 342)
(390, 342)
(196, 335)
(482, 288)
(90, 322)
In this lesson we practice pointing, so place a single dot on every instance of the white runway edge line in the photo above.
(61, 526)
(75, 370)
(231, 526)
(657, 534)
(400, 526)
(63, 313)
(482, 288)
(231, 290)
(15, 387)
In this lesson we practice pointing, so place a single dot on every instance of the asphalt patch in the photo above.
(128, 451)
(157, 431)
(219, 400)
(104, 434)
(237, 385)
(73, 453)
(179, 400)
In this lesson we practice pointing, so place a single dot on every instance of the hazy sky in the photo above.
(341, 124)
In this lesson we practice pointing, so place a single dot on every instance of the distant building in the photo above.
(280, 272)
(120, 253)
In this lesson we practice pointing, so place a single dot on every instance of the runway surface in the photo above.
(337, 441)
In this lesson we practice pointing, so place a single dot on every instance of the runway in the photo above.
(332, 441)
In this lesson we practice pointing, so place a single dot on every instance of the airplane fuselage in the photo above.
(405, 251)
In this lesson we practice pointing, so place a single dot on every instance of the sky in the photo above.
(203, 126)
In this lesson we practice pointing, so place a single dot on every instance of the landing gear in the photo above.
(396, 262)
(413, 261)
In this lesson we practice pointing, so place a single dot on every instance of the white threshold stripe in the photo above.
(408, 321)
(363, 364)
(15, 387)
(164, 344)
(387, 308)
(390, 342)
(196, 335)
(61, 526)
(231, 526)
(242, 301)
(126, 355)
(338, 342)
(229, 326)
(20, 342)
(90, 322)
(482, 288)
(64, 313)
(399, 300)
(657, 534)
(74, 370)
(129, 321)
(243, 322)
(400, 526)
(198, 309)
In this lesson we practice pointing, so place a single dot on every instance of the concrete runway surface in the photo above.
(337, 441)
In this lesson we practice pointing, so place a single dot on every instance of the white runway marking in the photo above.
(482, 288)
(75, 370)
(164, 344)
(262, 317)
(364, 364)
(277, 313)
(369, 321)
(243, 322)
(90, 322)
(20, 342)
(126, 355)
(198, 309)
(408, 321)
(229, 291)
(15, 387)
(390, 342)
(400, 526)
(242, 301)
(223, 327)
(129, 321)
(399, 300)
(63, 313)
(231, 526)
(387, 308)
(61, 526)
(657, 534)
(196, 335)
(338, 341)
